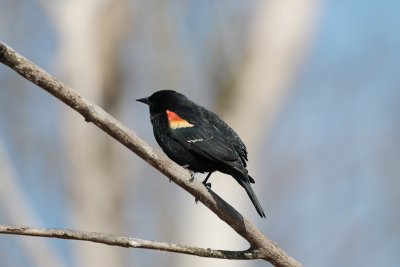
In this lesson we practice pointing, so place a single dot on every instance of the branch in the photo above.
(113, 240)
(260, 244)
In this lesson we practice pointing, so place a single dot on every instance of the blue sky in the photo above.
(334, 143)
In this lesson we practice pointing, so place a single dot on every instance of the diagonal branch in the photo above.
(265, 248)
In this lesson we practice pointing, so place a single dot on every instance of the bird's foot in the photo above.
(191, 176)
(191, 172)
(208, 185)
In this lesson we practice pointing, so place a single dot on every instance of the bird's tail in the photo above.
(244, 180)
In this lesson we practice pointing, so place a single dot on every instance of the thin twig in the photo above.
(266, 249)
(113, 240)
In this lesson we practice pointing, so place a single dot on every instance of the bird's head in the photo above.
(163, 100)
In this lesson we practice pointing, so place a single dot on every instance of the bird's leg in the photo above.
(208, 185)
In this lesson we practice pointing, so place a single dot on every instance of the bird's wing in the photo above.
(207, 143)
(230, 134)
(235, 140)
(202, 138)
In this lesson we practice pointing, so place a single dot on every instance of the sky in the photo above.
(333, 145)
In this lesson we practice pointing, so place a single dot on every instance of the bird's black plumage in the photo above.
(198, 139)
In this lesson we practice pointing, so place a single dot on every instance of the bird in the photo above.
(198, 139)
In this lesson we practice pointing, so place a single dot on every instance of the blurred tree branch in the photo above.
(98, 30)
(261, 247)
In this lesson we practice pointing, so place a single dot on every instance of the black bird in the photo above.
(198, 139)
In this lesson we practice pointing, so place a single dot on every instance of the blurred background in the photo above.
(312, 87)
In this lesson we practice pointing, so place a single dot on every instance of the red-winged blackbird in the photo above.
(198, 139)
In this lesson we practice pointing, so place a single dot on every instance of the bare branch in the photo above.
(265, 248)
(113, 240)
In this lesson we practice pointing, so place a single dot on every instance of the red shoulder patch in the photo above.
(174, 121)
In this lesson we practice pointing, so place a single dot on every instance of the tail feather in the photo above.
(244, 181)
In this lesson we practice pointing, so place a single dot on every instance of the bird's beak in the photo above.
(144, 100)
